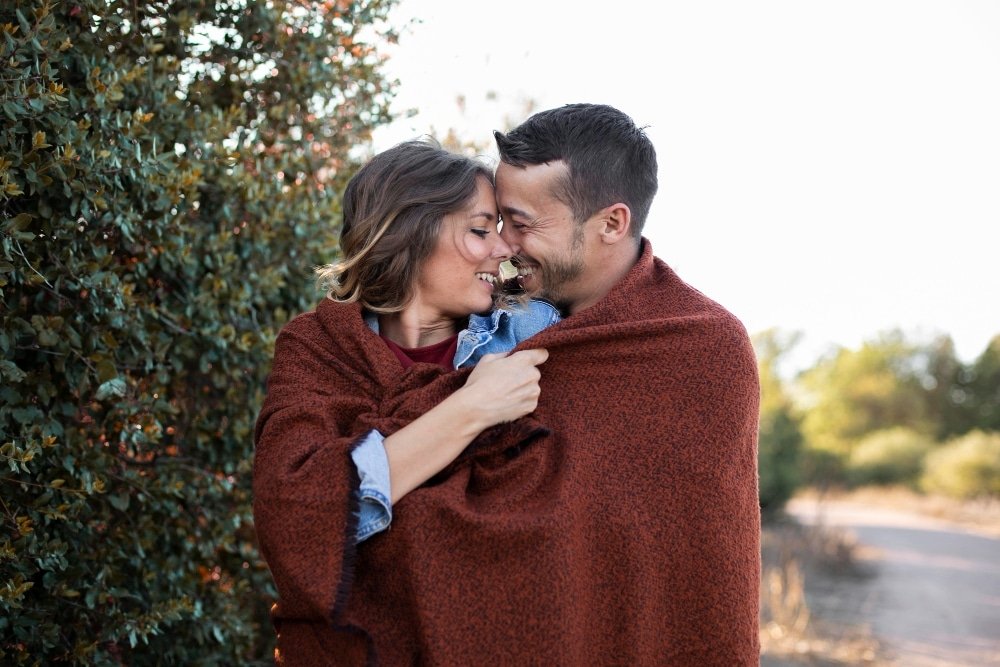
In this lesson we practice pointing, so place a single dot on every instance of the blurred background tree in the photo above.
(965, 467)
(169, 173)
(892, 412)
(974, 396)
(888, 456)
(780, 441)
(856, 392)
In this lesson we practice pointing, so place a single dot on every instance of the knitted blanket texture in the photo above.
(616, 525)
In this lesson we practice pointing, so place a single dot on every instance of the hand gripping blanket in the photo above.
(616, 525)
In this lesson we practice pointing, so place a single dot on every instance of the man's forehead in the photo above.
(535, 181)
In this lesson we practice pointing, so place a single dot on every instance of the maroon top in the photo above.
(442, 354)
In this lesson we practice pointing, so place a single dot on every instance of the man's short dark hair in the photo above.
(609, 158)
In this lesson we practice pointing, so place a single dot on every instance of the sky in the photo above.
(830, 168)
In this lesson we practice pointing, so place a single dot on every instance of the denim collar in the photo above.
(488, 323)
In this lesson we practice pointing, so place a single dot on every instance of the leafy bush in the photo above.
(167, 180)
(973, 399)
(780, 438)
(822, 468)
(889, 381)
(778, 458)
(890, 456)
(965, 467)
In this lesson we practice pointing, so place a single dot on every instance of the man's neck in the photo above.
(603, 274)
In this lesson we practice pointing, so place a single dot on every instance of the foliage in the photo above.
(855, 392)
(974, 396)
(890, 456)
(167, 180)
(965, 467)
(780, 439)
(854, 402)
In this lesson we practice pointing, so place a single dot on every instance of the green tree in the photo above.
(780, 440)
(883, 384)
(974, 396)
(965, 467)
(168, 177)
(890, 456)
(942, 371)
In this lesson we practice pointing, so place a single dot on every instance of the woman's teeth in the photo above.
(488, 277)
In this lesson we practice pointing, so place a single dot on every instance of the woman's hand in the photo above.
(502, 388)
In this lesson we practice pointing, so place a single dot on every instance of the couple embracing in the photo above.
(448, 474)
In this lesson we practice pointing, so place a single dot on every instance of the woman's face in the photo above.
(459, 277)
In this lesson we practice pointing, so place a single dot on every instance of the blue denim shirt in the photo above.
(502, 330)
(499, 331)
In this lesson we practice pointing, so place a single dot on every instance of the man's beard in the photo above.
(557, 273)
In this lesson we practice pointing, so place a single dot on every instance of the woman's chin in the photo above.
(484, 306)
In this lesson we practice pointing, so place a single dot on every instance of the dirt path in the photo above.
(935, 599)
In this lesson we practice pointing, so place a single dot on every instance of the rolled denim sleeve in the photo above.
(374, 491)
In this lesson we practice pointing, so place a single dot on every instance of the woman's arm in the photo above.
(500, 389)
(304, 483)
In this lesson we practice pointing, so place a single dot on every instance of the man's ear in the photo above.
(617, 223)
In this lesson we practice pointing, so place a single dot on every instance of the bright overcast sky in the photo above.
(825, 167)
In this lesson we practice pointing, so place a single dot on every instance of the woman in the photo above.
(339, 440)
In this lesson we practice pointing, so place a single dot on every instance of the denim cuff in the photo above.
(374, 491)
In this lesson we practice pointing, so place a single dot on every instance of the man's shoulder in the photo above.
(666, 290)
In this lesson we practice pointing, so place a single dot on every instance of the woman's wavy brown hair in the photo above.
(393, 209)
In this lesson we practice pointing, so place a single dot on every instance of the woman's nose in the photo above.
(501, 250)
(507, 237)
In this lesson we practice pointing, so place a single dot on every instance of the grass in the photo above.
(806, 619)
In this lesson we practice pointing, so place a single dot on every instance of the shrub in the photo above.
(167, 180)
(965, 467)
(780, 438)
(890, 456)
(822, 469)
(778, 458)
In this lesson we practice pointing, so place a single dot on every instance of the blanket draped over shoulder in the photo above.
(617, 524)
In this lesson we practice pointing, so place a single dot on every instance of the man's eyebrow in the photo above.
(511, 211)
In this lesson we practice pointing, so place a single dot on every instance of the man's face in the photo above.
(548, 243)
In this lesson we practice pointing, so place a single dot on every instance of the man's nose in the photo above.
(509, 235)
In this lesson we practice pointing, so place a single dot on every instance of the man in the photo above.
(574, 187)
(617, 524)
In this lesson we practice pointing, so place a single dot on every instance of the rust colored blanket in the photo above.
(617, 525)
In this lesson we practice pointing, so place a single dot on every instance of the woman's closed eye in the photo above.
(481, 233)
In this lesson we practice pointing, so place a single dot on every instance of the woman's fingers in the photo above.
(507, 385)
(534, 357)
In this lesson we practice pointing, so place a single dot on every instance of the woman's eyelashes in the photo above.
(481, 233)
